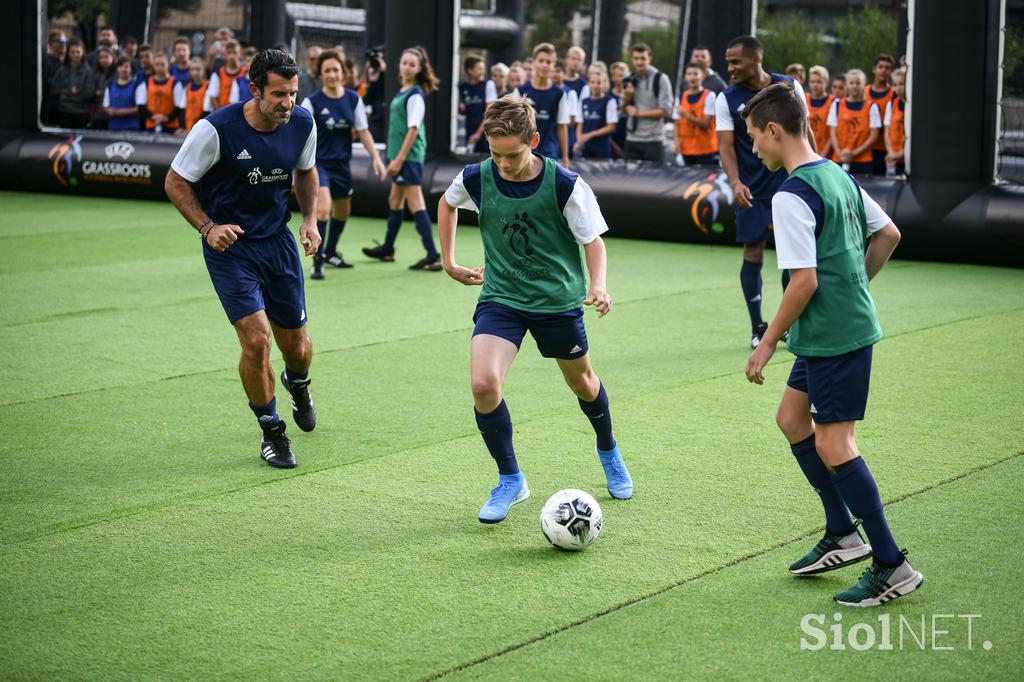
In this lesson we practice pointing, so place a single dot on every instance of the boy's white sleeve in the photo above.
(213, 91)
(709, 104)
(877, 218)
(457, 197)
(179, 95)
(611, 112)
(833, 115)
(234, 94)
(585, 92)
(795, 244)
(490, 92)
(723, 117)
(199, 152)
(564, 111)
(583, 214)
(361, 121)
(874, 117)
(106, 97)
(887, 120)
(415, 108)
(141, 95)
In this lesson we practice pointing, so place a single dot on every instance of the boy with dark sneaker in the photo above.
(302, 405)
(833, 238)
(276, 449)
(534, 211)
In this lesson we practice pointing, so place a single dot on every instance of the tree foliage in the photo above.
(864, 35)
(789, 37)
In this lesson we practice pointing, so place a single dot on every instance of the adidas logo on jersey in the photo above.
(244, 154)
(325, 112)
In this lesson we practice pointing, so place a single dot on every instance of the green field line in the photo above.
(698, 576)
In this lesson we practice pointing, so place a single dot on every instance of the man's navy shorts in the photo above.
(337, 175)
(260, 274)
(752, 223)
(836, 387)
(558, 335)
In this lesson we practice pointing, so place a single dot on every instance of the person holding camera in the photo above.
(372, 90)
(650, 105)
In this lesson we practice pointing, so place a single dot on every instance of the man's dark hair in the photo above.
(885, 58)
(122, 60)
(699, 47)
(640, 47)
(107, 27)
(698, 66)
(271, 61)
(182, 40)
(471, 61)
(776, 104)
(747, 43)
(145, 47)
(129, 39)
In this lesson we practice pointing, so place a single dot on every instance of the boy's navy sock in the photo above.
(333, 235)
(321, 227)
(837, 516)
(426, 232)
(750, 282)
(266, 414)
(600, 419)
(394, 225)
(496, 429)
(860, 492)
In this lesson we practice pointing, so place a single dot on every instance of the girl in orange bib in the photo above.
(854, 125)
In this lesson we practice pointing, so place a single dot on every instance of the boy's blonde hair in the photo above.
(577, 51)
(546, 48)
(821, 71)
(511, 116)
(597, 65)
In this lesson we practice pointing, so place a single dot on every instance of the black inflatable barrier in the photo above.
(639, 200)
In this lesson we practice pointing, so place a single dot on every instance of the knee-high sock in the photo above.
(333, 235)
(837, 517)
(860, 492)
(750, 282)
(394, 224)
(496, 429)
(426, 232)
(321, 227)
(600, 418)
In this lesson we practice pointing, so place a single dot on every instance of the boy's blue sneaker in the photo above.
(620, 483)
(511, 489)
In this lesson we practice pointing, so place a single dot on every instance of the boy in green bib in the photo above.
(534, 217)
(833, 238)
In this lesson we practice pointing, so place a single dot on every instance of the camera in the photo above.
(630, 79)
(374, 56)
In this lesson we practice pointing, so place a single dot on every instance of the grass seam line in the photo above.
(698, 576)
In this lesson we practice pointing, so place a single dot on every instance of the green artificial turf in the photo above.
(141, 536)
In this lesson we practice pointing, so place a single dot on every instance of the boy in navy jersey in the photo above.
(551, 105)
(231, 180)
(474, 94)
(600, 114)
(752, 184)
(834, 238)
(534, 218)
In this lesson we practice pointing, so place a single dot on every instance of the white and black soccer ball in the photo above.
(571, 519)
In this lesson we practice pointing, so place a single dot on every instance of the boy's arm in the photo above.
(563, 143)
(880, 248)
(802, 285)
(597, 267)
(447, 221)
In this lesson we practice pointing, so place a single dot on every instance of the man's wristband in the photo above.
(199, 229)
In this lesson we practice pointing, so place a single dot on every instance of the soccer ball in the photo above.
(571, 519)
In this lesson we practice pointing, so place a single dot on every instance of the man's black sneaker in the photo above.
(429, 264)
(318, 268)
(758, 334)
(303, 411)
(276, 449)
(336, 261)
(380, 252)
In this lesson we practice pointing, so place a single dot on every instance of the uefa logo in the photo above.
(121, 150)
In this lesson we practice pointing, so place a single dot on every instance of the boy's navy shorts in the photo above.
(260, 274)
(558, 335)
(337, 175)
(752, 223)
(836, 387)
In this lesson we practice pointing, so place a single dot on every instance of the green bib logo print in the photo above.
(517, 231)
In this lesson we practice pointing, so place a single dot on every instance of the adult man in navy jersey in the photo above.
(752, 184)
(239, 162)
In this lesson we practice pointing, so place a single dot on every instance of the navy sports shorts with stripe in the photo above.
(752, 223)
(558, 335)
(260, 274)
(411, 173)
(836, 387)
(337, 175)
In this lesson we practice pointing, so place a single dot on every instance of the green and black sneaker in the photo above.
(832, 552)
(881, 584)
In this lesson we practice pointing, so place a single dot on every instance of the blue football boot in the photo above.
(620, 483)
(511, 489)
